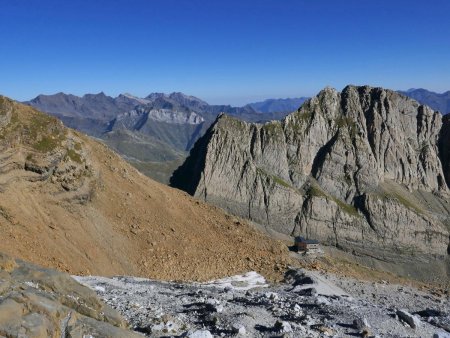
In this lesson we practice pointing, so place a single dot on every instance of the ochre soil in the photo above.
(130, 225)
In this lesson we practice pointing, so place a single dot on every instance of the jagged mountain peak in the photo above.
(153, 96)
(128, 96)
(360, 169)
(100, 94)
(59, 95)
(180, 97)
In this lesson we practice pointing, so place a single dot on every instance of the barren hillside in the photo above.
(67, 201)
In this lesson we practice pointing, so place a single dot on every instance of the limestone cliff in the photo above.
(361, 169)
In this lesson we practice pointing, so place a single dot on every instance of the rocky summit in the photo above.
(365, 170)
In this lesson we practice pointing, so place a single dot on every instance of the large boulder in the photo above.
(39, 302)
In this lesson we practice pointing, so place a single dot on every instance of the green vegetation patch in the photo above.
(278, 180)
(349, 123)
(30, 158)
(46, 144)
(402, 200)
(41, 123)
(46, 130)
(301, 120)
(315, 191)
(407, 203)
(74, 156)
(14, 120)
(3, 111)
(230, 122)
(40, 131)
(273, 129)
(77, 146)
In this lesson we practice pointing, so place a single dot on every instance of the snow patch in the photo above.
(247, 281)
(99, 288)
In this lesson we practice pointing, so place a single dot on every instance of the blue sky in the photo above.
(221, 51)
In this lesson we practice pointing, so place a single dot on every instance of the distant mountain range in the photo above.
(439, 102)
(280, 106)
(153, 133)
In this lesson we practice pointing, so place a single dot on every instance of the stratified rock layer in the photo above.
(360, 169)
(38, 302)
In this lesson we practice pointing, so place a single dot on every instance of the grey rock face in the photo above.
(408, 318)
(135, 119)
(6, 110)
(38, 302)
(358, 169)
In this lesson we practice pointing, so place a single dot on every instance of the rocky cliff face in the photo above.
(177, 128)
(361, 169)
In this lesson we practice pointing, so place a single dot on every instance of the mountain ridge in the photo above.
(167, 123)
(71, 203)
(173, 121)
(350, 169)
(437, 101)
(281, 105)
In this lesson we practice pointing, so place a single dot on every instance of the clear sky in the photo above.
(222, 51)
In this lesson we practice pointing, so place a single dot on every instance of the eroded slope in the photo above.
(69, 202)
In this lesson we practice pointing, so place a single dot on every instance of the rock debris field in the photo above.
(306, 304)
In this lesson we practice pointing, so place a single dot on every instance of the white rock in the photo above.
(238, 329)
(361, 323)
(441, 335)
(322, 300)
(272, 296)
(248, 281)
(200, 334)
(297, 308)
(214, 305)
(283, 327)
(408, 318)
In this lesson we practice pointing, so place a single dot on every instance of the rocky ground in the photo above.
(306, 304)
(41, 303)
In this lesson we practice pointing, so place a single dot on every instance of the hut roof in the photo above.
(301, 239)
